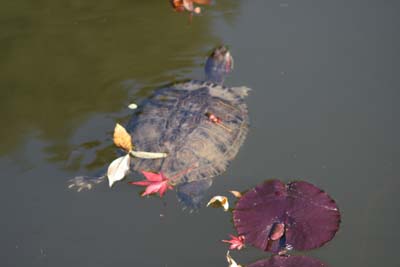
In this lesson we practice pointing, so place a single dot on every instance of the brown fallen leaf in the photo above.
(122, 138)
(219, 201)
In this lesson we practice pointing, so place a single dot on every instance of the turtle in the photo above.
(199, 124)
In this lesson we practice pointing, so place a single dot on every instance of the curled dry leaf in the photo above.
(147, 155)
(237, 194)
(219, 201)
(122, 138)
(118, 169)
(231, 261)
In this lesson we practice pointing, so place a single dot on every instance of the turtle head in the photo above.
(219, 64)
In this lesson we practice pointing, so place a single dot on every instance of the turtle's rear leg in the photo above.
(192, 193)
(80, 183)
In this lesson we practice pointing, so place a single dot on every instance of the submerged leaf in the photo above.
(287, 261)
(219, 201)
(231, 261)
(118, 169)
(122, 138)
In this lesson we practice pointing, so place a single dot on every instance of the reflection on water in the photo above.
(62, 62)
(322, 109)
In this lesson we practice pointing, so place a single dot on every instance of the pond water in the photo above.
(325, 79)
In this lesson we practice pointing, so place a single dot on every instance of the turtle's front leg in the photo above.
(192, 193)
(80, 183)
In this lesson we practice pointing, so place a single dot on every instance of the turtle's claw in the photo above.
(80, 183)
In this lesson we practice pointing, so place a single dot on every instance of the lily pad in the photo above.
(275, 216)
(288, 261)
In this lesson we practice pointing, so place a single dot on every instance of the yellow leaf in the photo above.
(122, 138)
(219, 201)
(237, 194)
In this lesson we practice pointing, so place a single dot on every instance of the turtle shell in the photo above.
(178, 120)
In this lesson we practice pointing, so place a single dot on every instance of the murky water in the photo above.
(325, 83)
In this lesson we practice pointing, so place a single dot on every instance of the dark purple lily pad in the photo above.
(275, 216)
(288, 261)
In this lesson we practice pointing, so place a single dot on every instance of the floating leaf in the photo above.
(219, 201)
(132, 106)
(118, 169)
(231, 261)
(155, 183)
(148, 155)
(275, 216)
(237, 194)
(182, 5)
(188, 5)
(122, 138)
(288, 261)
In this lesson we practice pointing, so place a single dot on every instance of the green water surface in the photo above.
(323, 109)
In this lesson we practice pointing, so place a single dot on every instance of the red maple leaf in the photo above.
(155, 183)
